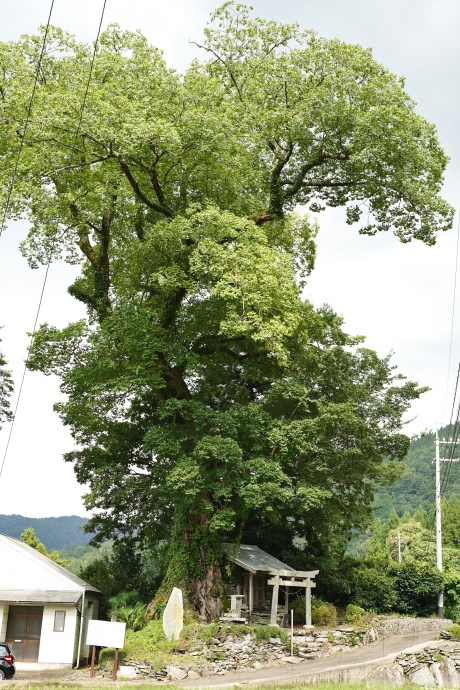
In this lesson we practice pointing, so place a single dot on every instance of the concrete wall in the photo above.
(57, 647)
(91, 613)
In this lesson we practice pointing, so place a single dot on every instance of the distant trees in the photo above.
(126, 573)
(29, 538)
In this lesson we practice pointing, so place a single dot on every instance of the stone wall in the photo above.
(436, 665)
(226, 653)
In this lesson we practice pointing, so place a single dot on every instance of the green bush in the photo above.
(373, 588)
(322, 612)
(417, 586)
(107, 657)
(454, 630)
(452, 595)
(354, 614)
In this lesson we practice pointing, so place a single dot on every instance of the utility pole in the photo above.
(438, 461)
(438, 525)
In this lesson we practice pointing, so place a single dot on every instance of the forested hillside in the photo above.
(417, 486)
(55, 533)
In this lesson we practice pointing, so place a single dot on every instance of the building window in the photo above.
(59, 621)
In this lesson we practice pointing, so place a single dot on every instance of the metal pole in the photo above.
(438, 525)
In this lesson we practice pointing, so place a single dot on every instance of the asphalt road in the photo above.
(385, 648)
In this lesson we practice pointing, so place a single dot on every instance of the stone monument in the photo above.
(173, 616)
(234, 615)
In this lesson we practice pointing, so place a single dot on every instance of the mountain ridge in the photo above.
(54, 532)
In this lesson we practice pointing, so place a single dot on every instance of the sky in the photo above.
(400, 296)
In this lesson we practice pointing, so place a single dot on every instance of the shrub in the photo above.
(322, 612)
(454, 630)
(354, 614)
(452, 595)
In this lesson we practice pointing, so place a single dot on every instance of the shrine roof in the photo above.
(253, 559)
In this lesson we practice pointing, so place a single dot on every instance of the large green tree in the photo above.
(204, 394)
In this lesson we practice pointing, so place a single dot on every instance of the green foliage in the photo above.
(417, 586)
(454, 630)
(205, 396)
(415, 490)
(322, 612)
(452, 595)
(354, 614)
(29, 538)
(128, 609)
(450, 511)
(6, 388)
(122, 573)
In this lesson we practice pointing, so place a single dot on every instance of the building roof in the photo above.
(253, 559)
(75, 583)
(38, 596)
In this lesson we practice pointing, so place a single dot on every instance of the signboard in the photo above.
(106, 634)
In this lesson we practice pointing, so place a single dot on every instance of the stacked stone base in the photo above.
(437, 665)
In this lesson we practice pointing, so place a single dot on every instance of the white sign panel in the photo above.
(106, 634)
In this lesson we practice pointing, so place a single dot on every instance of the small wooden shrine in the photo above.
(259, 570)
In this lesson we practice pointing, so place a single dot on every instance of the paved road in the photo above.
(377, 651)
(305, 671)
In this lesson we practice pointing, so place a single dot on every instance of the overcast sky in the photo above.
(399, 296)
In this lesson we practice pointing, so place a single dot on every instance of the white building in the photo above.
(44, 608)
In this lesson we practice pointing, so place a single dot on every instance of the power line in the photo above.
(452, 319)
(7, 205)
(77, 131)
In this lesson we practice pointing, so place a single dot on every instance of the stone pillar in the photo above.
(251, 596)
(286, 600)
(308, 604)
(276, 588)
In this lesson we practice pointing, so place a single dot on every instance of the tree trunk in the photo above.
(194, 568)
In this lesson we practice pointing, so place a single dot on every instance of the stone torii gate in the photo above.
(291, 578)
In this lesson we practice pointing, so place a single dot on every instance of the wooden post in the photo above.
(251, 596)
(276, 587)
(114, 620)
(308, 603)
(115, 664)
(93, 656)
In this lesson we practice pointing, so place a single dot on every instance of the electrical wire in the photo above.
(39, 63)
(50, 254)
(452, 320)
